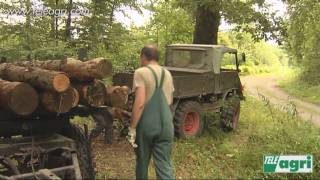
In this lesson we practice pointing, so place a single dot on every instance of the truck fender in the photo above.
(225, 94)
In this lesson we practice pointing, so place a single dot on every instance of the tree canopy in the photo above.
(303, 40)
(252, 16)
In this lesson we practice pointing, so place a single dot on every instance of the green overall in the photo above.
(155, 135)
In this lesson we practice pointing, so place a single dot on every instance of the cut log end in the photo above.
(75, 97)
(60, 102)
(61, 82)
(23, 100)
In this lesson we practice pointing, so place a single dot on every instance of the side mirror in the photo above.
(243, 57)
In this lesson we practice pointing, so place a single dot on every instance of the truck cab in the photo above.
(204, 62)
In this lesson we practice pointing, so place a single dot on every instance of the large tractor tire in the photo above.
(187, 120)
(230, 113)
(83, 150)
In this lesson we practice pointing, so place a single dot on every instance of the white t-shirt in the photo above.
(144, 77)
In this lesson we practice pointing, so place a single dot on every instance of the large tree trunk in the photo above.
(60, 102)
(92, 94)
(117, 96)
(56, 32)
(83, 71)
(37, 77)
(207, 26)
(18, 97)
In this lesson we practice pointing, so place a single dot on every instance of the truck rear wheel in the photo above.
(187, 120)
(83, 150)
(230, 112)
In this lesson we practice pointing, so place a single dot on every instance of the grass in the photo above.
(301, 89)
(220, 155)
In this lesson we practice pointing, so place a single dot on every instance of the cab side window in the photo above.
(228, 61)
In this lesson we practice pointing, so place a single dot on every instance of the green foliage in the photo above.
(46, 37)
(261, 57)
(170, 24)
(254, 70)
(304, 38)
(253, 16)
(295, 85)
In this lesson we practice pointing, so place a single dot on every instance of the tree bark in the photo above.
(207, 26)
(40, 78)
(56, 25)
(92, 94)
(18, 97)
(83, 71)
(60, 102)
(117, 96)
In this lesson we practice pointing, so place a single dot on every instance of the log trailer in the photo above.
(37, 101)
(45, 146)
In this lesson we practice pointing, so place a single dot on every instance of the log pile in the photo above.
(57, 86)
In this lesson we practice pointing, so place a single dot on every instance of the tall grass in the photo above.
(300, 88)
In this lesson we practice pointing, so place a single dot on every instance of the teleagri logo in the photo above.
(287, 163)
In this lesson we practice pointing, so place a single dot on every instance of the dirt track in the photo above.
(267, 86)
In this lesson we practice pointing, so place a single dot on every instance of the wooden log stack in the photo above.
(18, 97)
(57, 86)
(97, 68)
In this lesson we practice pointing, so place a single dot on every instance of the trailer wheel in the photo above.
(83, 150)
(230, 112)
(187, 120)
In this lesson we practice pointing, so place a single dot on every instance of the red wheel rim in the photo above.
(235, 118)
(191, 123)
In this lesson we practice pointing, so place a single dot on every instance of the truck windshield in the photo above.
(186, 58)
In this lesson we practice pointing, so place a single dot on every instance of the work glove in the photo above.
(132, 137)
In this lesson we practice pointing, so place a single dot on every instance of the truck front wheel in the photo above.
(84, 154)
(187, 120)
(230, 112)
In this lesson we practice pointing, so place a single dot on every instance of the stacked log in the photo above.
(40, 78)
(116, 96)
(92, 93)
(57, 86)
(97, 68)
(18, 97)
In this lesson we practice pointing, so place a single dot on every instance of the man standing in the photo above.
(151, 126)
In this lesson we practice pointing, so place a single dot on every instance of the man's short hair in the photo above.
(150, 52)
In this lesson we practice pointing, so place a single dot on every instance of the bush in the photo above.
(300, 87)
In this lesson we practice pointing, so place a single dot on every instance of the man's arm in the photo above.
(138, 106)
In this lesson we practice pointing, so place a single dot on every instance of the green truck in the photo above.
(202, 84)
